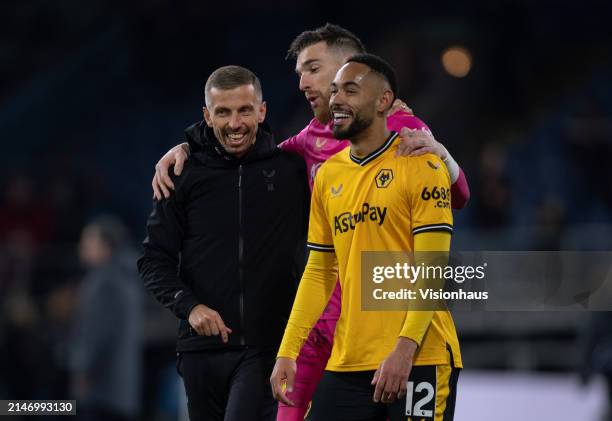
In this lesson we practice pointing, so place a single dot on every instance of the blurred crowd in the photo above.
(75, 320)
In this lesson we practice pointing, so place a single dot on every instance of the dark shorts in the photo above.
(344, 396)
(228, 385)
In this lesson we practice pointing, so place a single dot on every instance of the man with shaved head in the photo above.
(384, 364)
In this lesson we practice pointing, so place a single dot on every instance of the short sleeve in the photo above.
(429, 195)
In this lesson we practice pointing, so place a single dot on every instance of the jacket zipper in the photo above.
(240, 255)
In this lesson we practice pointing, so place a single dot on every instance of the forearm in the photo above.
(159, 264)
(160, 278)
(417, 322)
(460, 191)
(316, 287)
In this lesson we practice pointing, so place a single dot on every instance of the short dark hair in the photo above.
(231, 77)
(334, 36)
(380, 66)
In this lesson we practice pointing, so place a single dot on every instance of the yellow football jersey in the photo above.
(378, 203)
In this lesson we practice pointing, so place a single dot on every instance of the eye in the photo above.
(351, 92)
(314, 70)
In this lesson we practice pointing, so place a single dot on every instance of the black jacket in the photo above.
(232, 237)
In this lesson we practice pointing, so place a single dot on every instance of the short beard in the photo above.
(359, 124)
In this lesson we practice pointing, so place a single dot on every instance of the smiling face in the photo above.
(234, 115)
(316, 66)
(358, 96)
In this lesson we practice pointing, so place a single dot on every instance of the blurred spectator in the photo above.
(107, 353)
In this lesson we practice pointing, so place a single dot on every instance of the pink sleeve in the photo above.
(460, 191)
(295, 144)
(401, 119)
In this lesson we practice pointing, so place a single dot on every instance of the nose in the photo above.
(336, 98)
(235, 122)
(304, 82)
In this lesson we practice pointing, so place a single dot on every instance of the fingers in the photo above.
(406, 146)
(276, 382)
(201, 328)
(402, 389)
(390, 392)
(157, 194)
(290, 380)
(380, 387)
(212, 325)
(416, 143)
(159, 173)
(215, 327)
(387, 386)
(180, 157)
(221, 329)
(399, 105)
(423, 151)
(376, 377)
(166, 181)
(207, 322)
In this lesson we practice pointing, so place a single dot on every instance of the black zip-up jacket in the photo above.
(231, 237)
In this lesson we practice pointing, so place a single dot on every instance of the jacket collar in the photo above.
(210, 149)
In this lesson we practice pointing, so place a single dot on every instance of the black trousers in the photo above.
(228, 385)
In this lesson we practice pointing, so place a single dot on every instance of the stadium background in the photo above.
(93, 93)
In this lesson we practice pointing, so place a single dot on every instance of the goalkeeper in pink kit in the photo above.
(319, 54)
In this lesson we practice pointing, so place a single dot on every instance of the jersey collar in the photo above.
(376, 153)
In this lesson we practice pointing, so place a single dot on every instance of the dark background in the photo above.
(93, 93)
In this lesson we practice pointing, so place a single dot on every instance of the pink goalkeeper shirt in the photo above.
(316, 144)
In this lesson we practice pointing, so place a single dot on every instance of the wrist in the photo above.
(406, 346)
(451, 166)
(444, 155)
(185, 146)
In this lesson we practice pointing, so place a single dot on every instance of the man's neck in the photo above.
(323, 119)
(370, 139)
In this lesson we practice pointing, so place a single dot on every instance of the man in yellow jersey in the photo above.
(384, 364)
